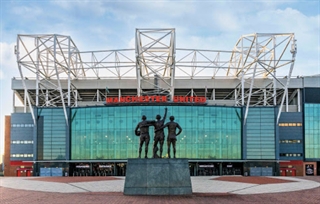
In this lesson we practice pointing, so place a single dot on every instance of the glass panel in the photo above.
(260, 133)
(208, 132)
(52, 134)
(312, 130)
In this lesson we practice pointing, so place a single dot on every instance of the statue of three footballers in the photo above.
(142, 130)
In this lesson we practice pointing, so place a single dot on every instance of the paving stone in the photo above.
(303, 190)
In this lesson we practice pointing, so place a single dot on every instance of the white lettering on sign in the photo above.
(82, 166)
(211, 165)
(105, 166)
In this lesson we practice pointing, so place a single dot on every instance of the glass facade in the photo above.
(52, 134)
(260, 134)
(209, 132)
(312, 131)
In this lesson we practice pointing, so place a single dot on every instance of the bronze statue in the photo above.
(172, 126)
(142, 130)
(158, 134)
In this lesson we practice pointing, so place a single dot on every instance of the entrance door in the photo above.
(208, 169)
(121, 169)
(232, 168)
(309, 169)
(104, 169)
(80, 169)
(193, 169)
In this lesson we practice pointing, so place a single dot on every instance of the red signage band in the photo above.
(157, 99)
(186, 99)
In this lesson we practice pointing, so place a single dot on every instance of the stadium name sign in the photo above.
(155, 99)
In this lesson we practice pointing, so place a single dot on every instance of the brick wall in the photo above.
(8, 169)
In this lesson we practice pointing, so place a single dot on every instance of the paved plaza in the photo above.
(209, 189)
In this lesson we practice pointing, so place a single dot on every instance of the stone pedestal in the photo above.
(157, 177)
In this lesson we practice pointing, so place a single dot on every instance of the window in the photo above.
(21, 155)
(115, 139)
(22, 125)
(290, 154)
(54, 133)
(312, 131)
(21, 142)
(290, 141)
(290, 124)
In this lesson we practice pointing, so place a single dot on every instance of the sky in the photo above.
(199, 24)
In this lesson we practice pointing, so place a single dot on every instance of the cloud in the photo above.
(8, 60)
(85, 7)
(215, 25)
(103, 25)
(27, 11)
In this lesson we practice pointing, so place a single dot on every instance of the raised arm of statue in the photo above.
(165, 114)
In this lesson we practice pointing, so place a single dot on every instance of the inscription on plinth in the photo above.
(157, 177)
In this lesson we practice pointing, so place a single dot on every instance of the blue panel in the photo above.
(45, 172)
(56, 171)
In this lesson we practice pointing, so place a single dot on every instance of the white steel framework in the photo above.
(56, 64)
(155, 60)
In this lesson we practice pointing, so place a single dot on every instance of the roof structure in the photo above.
(54, 72)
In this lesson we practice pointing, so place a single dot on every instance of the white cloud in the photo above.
(8, 60)
(217, 25)
(97, 25)
(27, 12)
(132, 43)
(83, 6)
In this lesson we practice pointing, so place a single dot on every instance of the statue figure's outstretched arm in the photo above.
(149, 123)
(162, 127)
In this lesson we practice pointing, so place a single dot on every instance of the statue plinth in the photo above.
(157, 177)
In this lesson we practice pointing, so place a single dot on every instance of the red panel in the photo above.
(292, 162)
(25, 169)
(20, 163)
(293, 172)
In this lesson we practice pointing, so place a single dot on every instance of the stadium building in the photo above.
(242, 112)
